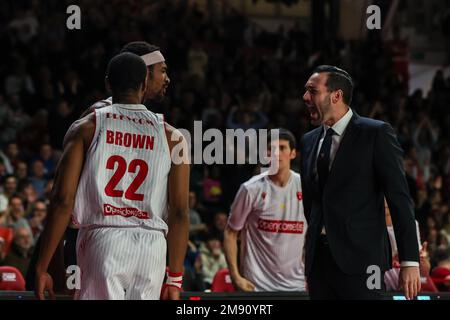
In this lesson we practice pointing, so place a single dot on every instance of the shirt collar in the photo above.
(340, 126)
(131, 106)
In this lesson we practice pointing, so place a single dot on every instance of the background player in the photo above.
(122, 214)
(157, 80)
(268, 214)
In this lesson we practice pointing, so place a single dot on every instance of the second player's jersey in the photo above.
(125, 174)
(273, 227)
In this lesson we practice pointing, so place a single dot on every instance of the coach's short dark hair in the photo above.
(126, 72)
(338, 79)
(285, 134)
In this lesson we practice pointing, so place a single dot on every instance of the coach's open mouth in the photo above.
(313, 113)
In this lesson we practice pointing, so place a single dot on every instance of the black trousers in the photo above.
(326, 281)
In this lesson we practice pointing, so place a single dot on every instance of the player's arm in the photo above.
(240, 209)
(178, 234)
(62, 198)
(88, 111)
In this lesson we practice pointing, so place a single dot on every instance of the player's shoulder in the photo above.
(82, 128)
(256, 181)
(295, 175)
(96, 106)
(173, 134)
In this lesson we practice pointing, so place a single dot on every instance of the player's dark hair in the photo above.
(338, 79)
(126, 72)
(285, 134)
(140, 48)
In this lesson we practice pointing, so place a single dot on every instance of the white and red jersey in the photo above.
(273, 227)
(125, 174)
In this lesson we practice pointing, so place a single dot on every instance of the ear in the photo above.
(293, 154)
(337, 96)
(144, 84)
(107, 85)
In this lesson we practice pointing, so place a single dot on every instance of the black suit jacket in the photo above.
(368, 166)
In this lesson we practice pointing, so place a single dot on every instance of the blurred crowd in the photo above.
(225, 71)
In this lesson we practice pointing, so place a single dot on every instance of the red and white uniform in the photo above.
(273, 227)
(121, 205)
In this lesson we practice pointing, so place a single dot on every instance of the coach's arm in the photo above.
(388, 162)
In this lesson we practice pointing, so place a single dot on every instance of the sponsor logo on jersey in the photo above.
(280, 226)
(127, 118)
(109, 210)
(299, 196)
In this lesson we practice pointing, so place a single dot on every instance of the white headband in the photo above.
(153, 57)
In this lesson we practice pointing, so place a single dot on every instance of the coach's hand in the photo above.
(44, 282)
(243, 284)
(409, 281)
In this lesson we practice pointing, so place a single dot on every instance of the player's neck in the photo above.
(126, 99)
(281, 178)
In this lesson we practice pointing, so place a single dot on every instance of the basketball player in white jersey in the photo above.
(126, 195)
(268, 213)
(157, 84)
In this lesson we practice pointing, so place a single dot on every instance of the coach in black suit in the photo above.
(349, 165)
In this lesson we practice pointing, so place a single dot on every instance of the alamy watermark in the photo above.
(236, 146)
(74, 20)
(374, 19)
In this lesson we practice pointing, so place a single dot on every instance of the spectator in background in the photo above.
(3, 214)
(446, 225)
(442, 270)
(3, 172)
(8, 189)
(38, 177)
(212, 188)
(48, 190)
(37, 218)
(425, 138)
(48, 158)
(6, 163)
(2, 248)
(193, 276)
(196, 226)
(197, 61)
(219, 225)
(21, 172)
(212, 258)
(21, 250)
(13, 153)
(60, 120)
(243, 119)
(28, 195)
(15, 217)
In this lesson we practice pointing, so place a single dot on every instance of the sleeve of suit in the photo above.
(388, 161)
(306, 198)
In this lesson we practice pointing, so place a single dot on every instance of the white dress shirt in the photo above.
(339, 131)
